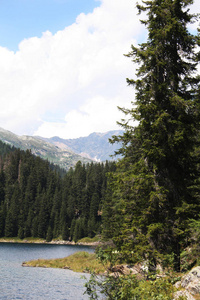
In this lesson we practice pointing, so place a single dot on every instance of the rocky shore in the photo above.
(54, 242)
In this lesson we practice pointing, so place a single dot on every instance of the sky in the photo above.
(62, 65)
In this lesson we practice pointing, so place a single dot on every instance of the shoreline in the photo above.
(80, 261)
(53, 242)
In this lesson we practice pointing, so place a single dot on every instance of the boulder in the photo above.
(191, 281)
(183, 294)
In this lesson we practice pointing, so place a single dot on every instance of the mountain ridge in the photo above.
(63, 158)
(65, 152)
(95, 146)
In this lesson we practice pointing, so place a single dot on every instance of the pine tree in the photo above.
(43, 218)
(2, 219)
(65, 232)
(49, 234)
(155, 190)
(2, 186)
(21, 233)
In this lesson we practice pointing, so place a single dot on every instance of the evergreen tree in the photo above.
(2, 219)
(72, 228)
(155, 189)
(2, 186)
(28, 223)
(43, 218)
(49, 234)
(65, 232)
(21, 233)
(35, 227)
(9, 225)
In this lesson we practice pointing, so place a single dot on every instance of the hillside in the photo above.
(65, 152)
(64, 158)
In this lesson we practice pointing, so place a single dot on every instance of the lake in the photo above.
(17, 282)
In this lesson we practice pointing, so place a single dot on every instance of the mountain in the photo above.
(64, 158)
(96, 146)
(65, 152)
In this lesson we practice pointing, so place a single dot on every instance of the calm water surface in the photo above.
(17, 282)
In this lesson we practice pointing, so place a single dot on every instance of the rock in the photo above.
(183, 294)
(177, 284)
(120, 269)
(191, 281)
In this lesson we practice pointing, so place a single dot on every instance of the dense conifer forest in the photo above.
(38, 199)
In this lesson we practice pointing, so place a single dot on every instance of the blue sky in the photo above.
(21, 19)
(62, 68)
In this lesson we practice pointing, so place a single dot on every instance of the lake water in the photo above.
(17, 282)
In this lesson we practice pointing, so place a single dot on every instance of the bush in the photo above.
(129, 287)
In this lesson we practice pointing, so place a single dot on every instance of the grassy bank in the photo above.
(78, 262)
(18, 240)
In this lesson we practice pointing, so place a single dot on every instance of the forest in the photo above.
(38, 199)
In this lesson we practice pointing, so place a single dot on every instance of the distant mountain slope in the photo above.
(95, 146)
(65, 158)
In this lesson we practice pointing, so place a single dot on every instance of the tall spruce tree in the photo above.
(156, 186)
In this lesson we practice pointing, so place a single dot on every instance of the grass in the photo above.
(78, 262)
(89, 240)
(18, 240)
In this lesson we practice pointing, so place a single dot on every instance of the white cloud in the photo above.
(96, 114)
(69, 84)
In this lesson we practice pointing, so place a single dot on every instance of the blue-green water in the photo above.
(17, 282)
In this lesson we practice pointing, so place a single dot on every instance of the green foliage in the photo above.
(116, 285)
(21, 233)
(49, 234)
(190, 255)
(129, 287)
(65, 232)
(5, 149)
(154, 191)
(195, 230)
